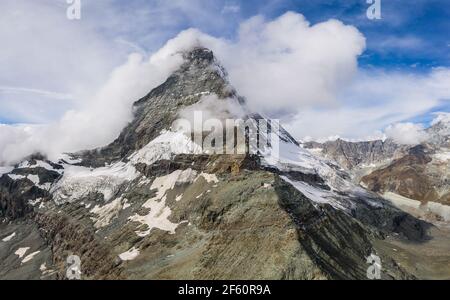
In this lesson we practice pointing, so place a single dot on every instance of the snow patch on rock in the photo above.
(9, 237)
(38, 164)
(210, 178)
(16, 177)
(105, 214)
(30, 257)
(21, 251)
(130, 254)
(67, 159)
(43, 267)
(34, 179)
(159, 212)
(35, 202)
(439, 209)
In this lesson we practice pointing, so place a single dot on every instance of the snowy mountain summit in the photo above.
(163, 202)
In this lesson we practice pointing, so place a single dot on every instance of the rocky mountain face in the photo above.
(152, 206)
(416, 175)
(353, 155)
(439, 134)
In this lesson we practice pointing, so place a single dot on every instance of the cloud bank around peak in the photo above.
(275, 72)
(95, 122)
(305, 74)
(308, 76)
(286, 64)
(406, 133)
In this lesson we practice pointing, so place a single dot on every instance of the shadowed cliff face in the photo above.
(186, 216)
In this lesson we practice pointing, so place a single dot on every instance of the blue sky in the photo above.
(411, 34)
(50, 66)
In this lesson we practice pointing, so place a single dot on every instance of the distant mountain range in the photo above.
(420, 172)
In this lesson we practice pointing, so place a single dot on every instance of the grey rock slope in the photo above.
(138, 209)
(416, 176)
(351, 155)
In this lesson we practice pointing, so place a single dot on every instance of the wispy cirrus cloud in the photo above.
(23, 90)
(231, 8)
(404, 43)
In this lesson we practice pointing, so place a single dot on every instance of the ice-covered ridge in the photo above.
(16, 177)
(286, 155)
(68, 159)
(38, 164)
(33, 178)
(164, 147)
(317, 195)
(292, 157)
(79, 182)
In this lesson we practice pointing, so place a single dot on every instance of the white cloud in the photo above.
(64, 75)
(50, 94)
(44, 57)
(98, 121)
(305, 74)
(43, 50)
(443, 117)
(285, 65)
(406, 133)
(373, 101)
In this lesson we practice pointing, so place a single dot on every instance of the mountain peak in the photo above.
(199, 54)
(199, 75)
